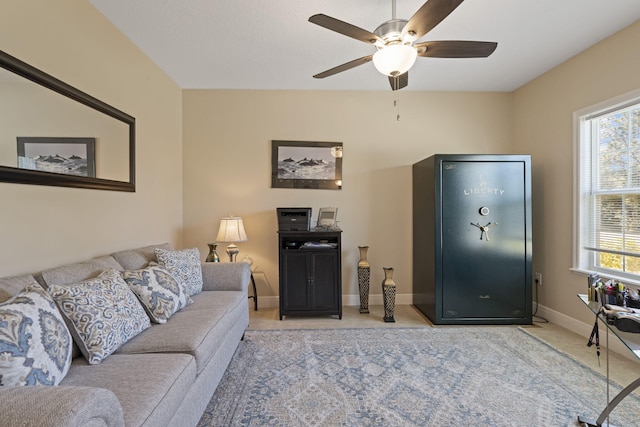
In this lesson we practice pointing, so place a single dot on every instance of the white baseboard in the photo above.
(376, 299)
(266, 302)
(584, 329)
(347, 300)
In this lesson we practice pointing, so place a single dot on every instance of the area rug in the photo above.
(435, 376)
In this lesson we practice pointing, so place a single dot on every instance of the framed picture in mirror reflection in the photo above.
(65, 155)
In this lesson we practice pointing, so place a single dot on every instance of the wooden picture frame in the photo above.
(306, 164)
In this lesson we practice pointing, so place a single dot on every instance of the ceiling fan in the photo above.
(395, 41)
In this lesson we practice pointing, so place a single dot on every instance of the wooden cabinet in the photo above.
(310, 273)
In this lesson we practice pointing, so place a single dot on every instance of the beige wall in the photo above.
(227, 166)
(42, 227)
(543, 127)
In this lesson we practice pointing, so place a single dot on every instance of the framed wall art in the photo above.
(306, 164)
(67, 156)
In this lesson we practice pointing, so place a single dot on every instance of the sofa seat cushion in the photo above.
(150, 387)
(197, 333)
(211, 299)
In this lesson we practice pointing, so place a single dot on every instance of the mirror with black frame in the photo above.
(54, 134)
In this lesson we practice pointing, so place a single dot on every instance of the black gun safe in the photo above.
(472, 239)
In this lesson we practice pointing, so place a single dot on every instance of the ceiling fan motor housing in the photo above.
(395, 53)
(391, 33)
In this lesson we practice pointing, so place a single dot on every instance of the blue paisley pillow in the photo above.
(184, 265)
(102, 314)
(35, 344)
(159, 292)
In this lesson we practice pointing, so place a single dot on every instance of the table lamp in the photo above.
(232, 230)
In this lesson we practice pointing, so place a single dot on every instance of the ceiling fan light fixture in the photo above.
(395, 59)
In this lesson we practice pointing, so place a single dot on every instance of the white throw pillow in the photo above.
(35, 344)
(159, 292)
(102, 314)
(184, 265)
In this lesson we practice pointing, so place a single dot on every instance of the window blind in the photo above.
(610, 166)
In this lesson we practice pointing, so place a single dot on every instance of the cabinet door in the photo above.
(483, 269)
(325, 280)
(295, 283)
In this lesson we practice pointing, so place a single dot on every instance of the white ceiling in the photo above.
(269, 44)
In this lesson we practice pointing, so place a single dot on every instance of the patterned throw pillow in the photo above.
(102, 314)
(35, 344)
(159, 292)
(184, 265)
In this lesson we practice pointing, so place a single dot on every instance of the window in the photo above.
(608, 188)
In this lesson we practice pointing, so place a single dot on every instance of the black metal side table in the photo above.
(632, 342)
(255, 293)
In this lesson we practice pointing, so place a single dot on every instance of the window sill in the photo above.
(606, 276)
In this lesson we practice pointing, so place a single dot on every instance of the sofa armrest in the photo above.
(227, 276)
(59, 406)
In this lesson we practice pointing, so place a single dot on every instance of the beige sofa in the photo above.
(165, 376)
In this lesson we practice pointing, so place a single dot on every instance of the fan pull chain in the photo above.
(396, 103)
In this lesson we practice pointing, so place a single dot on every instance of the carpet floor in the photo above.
(436, 376)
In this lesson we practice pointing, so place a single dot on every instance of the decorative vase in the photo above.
(388, 294)
(363, 279)
(213, 255)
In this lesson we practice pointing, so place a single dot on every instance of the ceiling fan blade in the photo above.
(398, 82)
(429, 15)
(344, 67)
(344, 28)
(456, 49)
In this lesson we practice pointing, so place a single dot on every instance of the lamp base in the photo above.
(232, 251)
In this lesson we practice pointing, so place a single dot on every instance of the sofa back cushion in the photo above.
(11, 286)
(135, 259)
(72, 273)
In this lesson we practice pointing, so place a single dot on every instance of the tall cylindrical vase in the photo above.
(363, 279)
(388, 294)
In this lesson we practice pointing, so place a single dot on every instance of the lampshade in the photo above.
(395, 59)
(231, 230)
